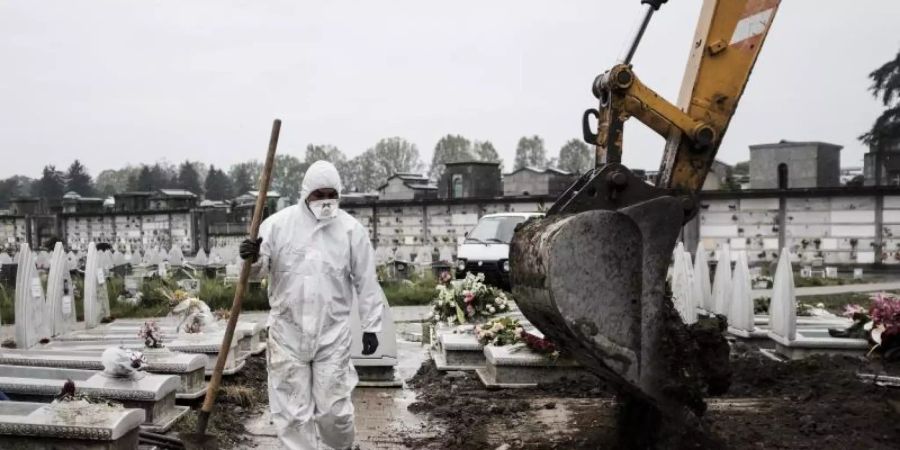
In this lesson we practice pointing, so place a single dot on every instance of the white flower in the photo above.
(497, 327)
(491, 309)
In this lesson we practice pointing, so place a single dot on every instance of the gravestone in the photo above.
(782, 309)
(106, 261)
(740, 315)
(176, 257)
(76, 425)
(516, 366)
(200, 259)
(189, 368)
(682, 286)
(31, 306)
(118, 259)
(458, 351)
(721, 290)
(96, 297)
(155, 394)
(60, 294)
(5, 259)
(700, 282)
(128, 256)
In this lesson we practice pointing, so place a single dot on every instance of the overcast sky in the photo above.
(124, 82)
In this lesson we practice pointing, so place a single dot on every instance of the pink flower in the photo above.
(852, 310)
(469, 296)
(470, 310)
(445, 277)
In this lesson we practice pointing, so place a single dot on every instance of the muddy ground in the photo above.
(240, 396)
(816, 403)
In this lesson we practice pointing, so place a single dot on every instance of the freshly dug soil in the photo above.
(817, 403)
(240, 395)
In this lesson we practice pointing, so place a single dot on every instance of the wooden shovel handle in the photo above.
(213, 388)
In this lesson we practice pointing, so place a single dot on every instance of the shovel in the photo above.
(199, 439)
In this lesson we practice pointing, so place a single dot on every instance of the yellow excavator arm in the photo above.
(591, 275)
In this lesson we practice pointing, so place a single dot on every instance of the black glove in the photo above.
(249, 249)
(370, 343)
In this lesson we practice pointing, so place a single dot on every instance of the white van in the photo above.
(486, 247)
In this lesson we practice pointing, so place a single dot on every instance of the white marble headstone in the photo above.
(782, 310)
(721, 290)
(690, 305)
(176, 257)
(4, 258)
(681, 283)
(200, 259)
(740, 315)
(128, 257)
(96, 298)
(60, 293)
(31, 305)
(700, 281)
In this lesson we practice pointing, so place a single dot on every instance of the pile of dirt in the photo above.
(240, 395)
(816, 403)
(466, 411)
(813, 403)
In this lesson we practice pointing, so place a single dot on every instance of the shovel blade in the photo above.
(594, 283)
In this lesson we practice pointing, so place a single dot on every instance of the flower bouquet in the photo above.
(467, 302)
(151, 334)
(539, 345)
(499, 331)
(880, 324)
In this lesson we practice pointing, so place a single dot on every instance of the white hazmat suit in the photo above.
(315, 267)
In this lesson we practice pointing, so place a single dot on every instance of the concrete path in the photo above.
(830, 290)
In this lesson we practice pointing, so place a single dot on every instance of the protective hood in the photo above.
(320, 175)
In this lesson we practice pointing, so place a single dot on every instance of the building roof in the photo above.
(411, 180)
(134, 194)
(177, 193)
(784, 143)
(536, 170)
(470, 163)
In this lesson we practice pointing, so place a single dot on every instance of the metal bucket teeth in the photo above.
(594, 283)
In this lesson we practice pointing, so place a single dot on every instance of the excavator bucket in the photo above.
(594, 282)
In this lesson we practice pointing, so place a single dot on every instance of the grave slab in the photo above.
(31, 309)
(155, 394)
(515, 366)
(458, 351)
(233, 362)
(39, 426)
(189, 368)
(797, 343)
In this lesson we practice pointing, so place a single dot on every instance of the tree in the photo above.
(78, 180)
(741, 168)
(485, 151)
(363, 173)
(245, 177)
(530, 152)
(52, 184)
(151, 178)
(217, 185)
(13, 187)
(396, 155)
(189, 178)
(328, 153)
(111, 181)
(576, 157)
(885, 132)
(449, 149)
(287, 176)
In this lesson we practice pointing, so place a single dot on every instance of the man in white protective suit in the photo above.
(317, 258)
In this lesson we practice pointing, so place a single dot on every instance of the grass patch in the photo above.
(417, 291)
(821, 281)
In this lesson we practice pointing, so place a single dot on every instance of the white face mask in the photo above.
(324, 209)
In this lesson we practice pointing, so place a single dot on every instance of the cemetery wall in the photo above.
(423, 230)
(836, 226)
(140, 230)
